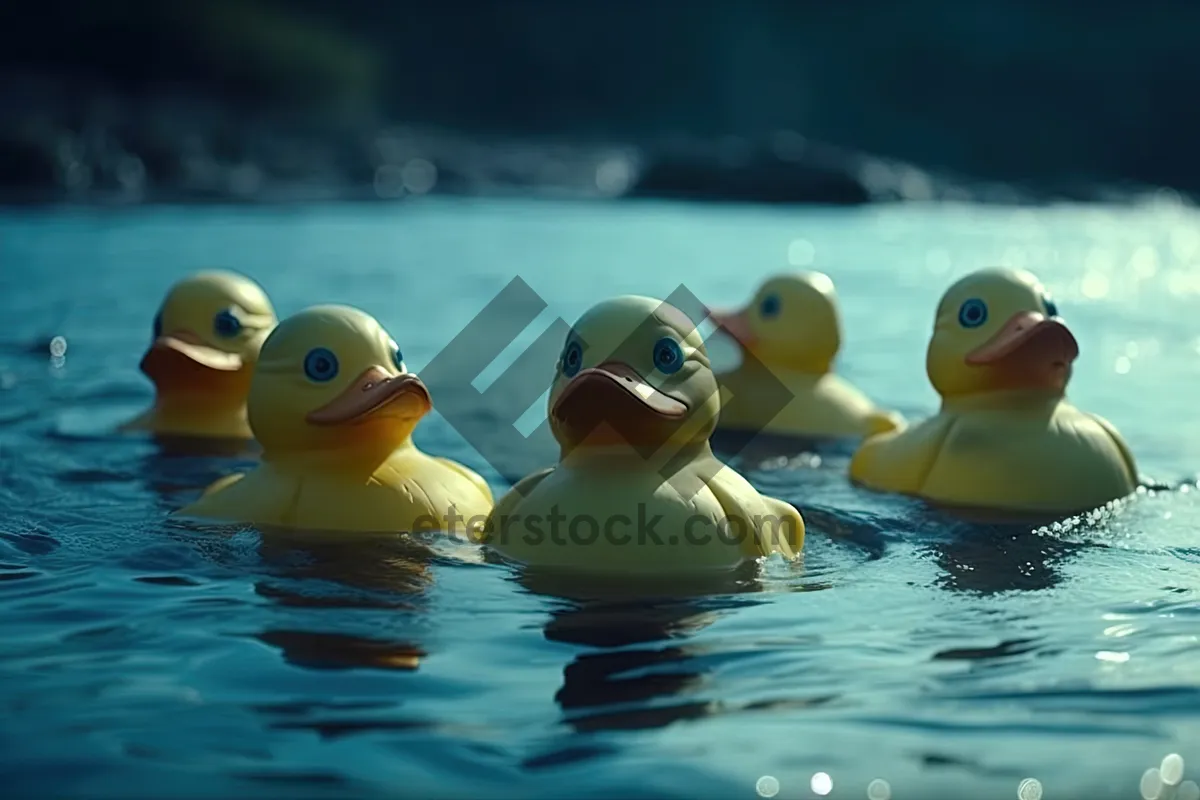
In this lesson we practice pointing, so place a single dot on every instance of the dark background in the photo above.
(1051, 97)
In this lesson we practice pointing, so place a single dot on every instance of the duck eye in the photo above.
(226, 324)
(972, 313)
(158, 325)
(769, 306)
(668, 356)
(1051, 306)
(572, 359)
(320, 365)
(398, 359)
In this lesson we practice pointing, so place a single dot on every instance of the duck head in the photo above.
(792, 321)
(998, 330)
(633, 374)
(207, 337)
(331, 384)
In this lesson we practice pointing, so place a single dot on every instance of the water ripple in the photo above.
(943, 655)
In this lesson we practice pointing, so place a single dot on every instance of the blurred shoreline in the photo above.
(63, 144)
(270, 100)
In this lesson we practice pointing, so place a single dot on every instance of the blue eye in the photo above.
(398, 359)
(158, 326)
(320, 365)
(572, 359)
(769, 306)
(668, 356)
(972, 313)
(1051, 306)
(226, 324)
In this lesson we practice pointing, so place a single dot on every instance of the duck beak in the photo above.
(1038, 349)
(183, 354)
(371, 392)
(733, 323)
(616, 394)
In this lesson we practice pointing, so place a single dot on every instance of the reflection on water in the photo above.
(596, 686)
(339, 651)
(343, 570)
(947, 655)
(628, 685)
(995, 559)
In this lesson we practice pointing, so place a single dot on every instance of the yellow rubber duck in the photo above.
(793, 328)
(637, 488)
(207, 336)
(1006, 438)
(334, 408)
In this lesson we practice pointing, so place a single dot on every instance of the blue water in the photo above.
(142, 659)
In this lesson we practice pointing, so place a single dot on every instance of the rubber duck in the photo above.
(207, 336)
(793, 329)
(637, 488)
(1005, 438)
(334, 408)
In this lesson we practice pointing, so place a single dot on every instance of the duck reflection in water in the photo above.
(180, 466)
(985, 553)
(319, 570)
(640, 671)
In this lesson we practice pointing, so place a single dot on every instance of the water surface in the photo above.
(144, 659)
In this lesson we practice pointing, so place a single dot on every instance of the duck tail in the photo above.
(884, 422)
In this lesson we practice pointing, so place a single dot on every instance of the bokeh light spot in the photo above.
(614, 176)
(1171, 769)
(1029, 789)
(767, 786)
(879, 789)
(1151, 785)
(1095, 285)
(419, 176)
(801, 253)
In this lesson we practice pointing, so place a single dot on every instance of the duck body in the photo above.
(411, 491)
(620, 517)
(790, 335)
(334, 407)
(823, 405)
(1033, 454)
(1006, 438)
(185, 420)
(637, 488)
(206, 339)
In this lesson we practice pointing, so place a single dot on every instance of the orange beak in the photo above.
(182, 358)
(612, 404)
(1030, 350)
(404, 396)
(735, 324)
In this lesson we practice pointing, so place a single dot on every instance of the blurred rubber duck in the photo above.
(1006, 438)
(793, 328)
(632, 406)
(334, 408)
(207, 337)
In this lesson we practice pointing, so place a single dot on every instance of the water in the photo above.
(141, 659)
